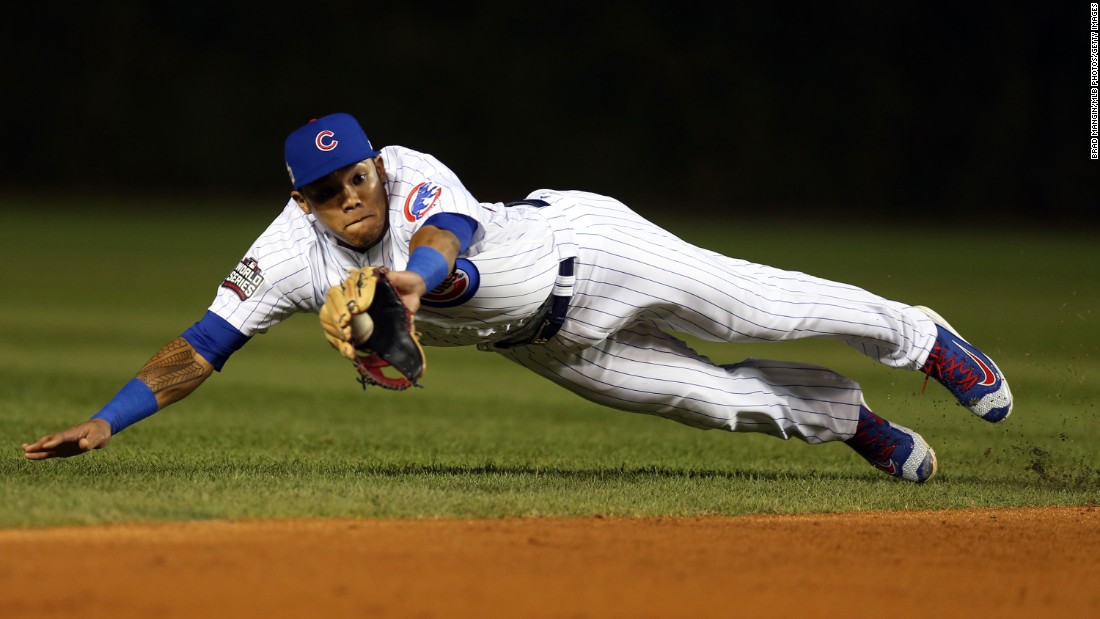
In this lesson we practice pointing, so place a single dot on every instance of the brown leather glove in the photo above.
(381, 339)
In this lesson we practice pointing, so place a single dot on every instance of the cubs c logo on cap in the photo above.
(313, 150)
(325, 140)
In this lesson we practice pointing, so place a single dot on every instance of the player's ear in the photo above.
(302, 202)
(380, 168)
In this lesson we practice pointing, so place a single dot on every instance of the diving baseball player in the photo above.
(573, 286)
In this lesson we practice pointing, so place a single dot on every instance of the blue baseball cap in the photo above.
(323, 145)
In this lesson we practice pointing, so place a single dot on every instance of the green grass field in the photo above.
(285, 431)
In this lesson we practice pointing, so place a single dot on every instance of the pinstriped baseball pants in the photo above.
(637, 284)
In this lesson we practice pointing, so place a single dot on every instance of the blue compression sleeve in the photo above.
(429, 264)
(134, 402)
(459, 225)
(214, 339)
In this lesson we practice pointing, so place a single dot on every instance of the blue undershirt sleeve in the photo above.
(460, 225)
(214, 339)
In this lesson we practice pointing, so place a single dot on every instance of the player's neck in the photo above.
(342, 243)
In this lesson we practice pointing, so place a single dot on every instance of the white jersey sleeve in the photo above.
(274, 279)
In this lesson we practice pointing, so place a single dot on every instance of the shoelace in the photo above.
(946, 366)
(872, 439)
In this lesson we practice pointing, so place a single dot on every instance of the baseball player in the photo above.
(573, 286)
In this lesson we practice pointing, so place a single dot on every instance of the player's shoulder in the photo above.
(292, 224)
(280, 254)
(402, 162)
(289, 236)
(396, 152)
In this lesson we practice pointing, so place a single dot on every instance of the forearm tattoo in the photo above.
(173, 366)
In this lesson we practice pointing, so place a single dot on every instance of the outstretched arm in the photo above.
(171, 375)
(427, 268)
(433, 250)
(175, 372)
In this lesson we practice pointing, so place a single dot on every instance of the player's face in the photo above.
(351, 202)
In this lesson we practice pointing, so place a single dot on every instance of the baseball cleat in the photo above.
(968, 373)
(892, 448)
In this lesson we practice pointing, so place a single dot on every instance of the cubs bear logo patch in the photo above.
(420, 200)
(459, 287)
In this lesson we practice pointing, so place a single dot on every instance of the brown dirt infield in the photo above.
(973, 563)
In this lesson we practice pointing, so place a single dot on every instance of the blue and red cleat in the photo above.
(970, 375)
(891, 448)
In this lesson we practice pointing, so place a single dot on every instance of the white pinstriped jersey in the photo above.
(635, 284)
(295, 261)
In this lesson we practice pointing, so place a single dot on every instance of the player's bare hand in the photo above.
(410, 286)
(82, 437)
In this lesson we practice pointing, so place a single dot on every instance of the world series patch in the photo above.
(245, 278)
(459, 287)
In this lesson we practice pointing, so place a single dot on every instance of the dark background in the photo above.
(900, 111)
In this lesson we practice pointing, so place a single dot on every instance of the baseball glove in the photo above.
(391, 342)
